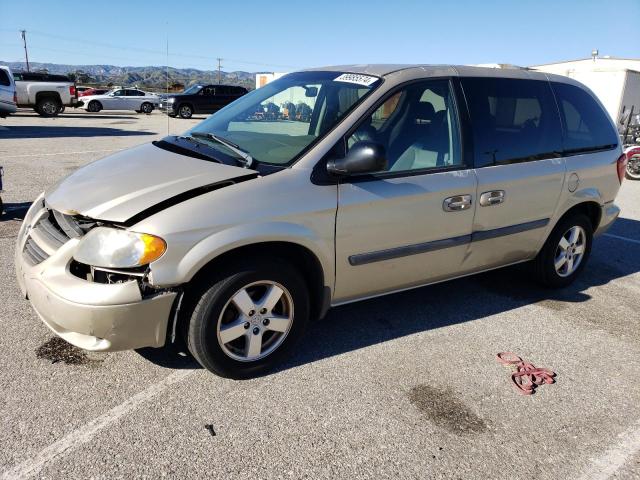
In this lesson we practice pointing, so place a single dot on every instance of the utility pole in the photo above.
(23, 34)
(219, 70)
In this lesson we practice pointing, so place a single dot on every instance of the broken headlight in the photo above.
(114, 248)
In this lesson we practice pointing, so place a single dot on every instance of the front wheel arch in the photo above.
(299, 256)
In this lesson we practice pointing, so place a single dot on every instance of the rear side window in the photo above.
(586, 125)
(512, 120)
(4, 78)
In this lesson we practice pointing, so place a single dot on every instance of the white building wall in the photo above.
(613, 80)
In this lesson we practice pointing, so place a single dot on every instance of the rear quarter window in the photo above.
(586, 126)
(4, 78)
(512, 120)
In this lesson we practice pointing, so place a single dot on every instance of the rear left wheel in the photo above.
(565, 253)
(48, 107)
(248, 318)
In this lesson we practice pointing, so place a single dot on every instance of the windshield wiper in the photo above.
(247, 159)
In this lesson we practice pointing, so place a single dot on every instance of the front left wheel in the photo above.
(248, 318)
(146, 108)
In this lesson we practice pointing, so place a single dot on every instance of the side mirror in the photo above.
(363, 157)
(310, 92)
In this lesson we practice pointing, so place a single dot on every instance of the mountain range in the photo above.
(151, 77)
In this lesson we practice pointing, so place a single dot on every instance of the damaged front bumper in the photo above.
(91, 315)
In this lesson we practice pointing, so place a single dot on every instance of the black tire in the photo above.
(61, 109)
(212, 300)
(146, 107)
(544, 268)
(94, 106)
(185, 111)
(48, 106)
(632, 172)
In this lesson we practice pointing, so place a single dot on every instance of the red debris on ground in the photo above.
(526, 376)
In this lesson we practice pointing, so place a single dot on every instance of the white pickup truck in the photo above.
(47, 94)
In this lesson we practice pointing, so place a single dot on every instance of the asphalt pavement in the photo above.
(404, 386)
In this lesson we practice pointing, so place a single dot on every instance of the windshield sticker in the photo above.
(364, 80)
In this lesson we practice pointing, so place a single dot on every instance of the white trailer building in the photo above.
(616, 81)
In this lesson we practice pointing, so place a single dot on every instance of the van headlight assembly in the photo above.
(113, 248)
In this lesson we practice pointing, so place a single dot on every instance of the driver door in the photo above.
(114, 101)
(411, 224)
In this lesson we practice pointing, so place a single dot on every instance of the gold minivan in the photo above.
(323, 187)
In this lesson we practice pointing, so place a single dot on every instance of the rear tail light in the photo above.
(15, 97)
(622, 166)
(72, 90)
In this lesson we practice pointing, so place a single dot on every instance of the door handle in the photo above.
(494, 197)
(457, 203)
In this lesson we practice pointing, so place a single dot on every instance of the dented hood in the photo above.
(120, 186)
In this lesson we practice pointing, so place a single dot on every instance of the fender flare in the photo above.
(223, 241)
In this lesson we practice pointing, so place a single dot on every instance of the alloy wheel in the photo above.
(633, 167)
(49, 107)
(255, 321)
(570, 251)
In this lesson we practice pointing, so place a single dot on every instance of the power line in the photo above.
(154, 52)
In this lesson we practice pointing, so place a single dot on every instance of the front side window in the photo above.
(192, 90)
(586, 125)
(512, 120)
(277, 122)
(417, 126)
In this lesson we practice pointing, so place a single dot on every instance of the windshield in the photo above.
(277, 122)
(193, 89)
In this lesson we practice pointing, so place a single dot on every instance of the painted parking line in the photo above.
(605, 466)
(84, 434)
(626, 239)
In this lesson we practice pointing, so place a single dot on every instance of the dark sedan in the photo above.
(200, 99)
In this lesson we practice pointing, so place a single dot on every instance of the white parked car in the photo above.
(7, 92)
(121, 99)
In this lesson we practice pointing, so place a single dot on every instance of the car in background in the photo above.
(93, 91)
(201, 99)
(121, 99)
(46, 93)
(8, 98)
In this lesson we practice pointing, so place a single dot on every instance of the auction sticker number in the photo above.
(364, 80)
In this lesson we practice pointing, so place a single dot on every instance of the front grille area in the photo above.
(51, 230)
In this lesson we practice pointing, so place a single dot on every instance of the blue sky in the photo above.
(284, 35)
